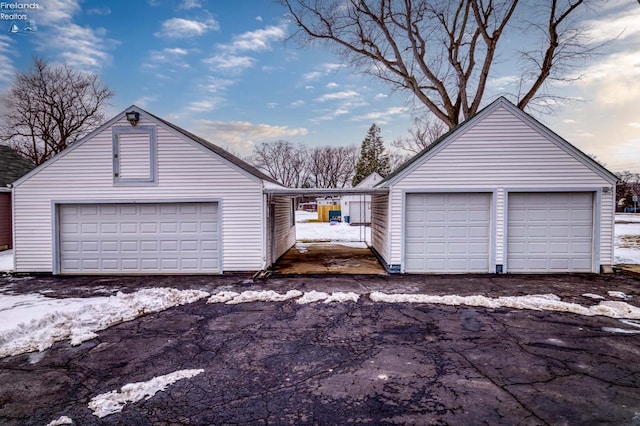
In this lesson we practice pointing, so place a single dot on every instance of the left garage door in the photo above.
(139, 238)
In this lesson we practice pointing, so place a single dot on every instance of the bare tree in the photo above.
(331, 166)
(283, 161)
(443, 51)
(422, 133)
(626, 188)
(50, 108)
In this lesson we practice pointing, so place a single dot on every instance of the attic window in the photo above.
(134, 155)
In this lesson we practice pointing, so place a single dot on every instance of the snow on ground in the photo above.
(49, 321)
(536, 302)
(325, 232)
(232, 298)
(25, 308)
(64, 420)
(627, 239)
(6, 260)
(114, 401)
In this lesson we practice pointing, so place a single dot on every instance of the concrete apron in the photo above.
(324, 258)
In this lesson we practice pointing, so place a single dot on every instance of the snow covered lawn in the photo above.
(35, 322)
(307, 232)
(627, 239)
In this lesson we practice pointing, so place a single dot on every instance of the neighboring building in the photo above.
(498, 193)
(328, 208)
(12, 167)
(148, 198)
(356, 209)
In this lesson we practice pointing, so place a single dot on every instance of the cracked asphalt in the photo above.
(339, 363)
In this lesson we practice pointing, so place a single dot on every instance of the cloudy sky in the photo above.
(224, 70)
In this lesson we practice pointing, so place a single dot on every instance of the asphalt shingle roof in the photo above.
(12, 166)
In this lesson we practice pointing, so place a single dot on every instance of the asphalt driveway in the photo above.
(340, 363)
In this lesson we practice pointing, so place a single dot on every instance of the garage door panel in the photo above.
(556, 235)
(447, 232)
(149, 238)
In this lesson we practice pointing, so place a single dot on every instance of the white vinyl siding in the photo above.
(447, 233)
(380, 225)
(186, 171)
(147, 238)
(499, 152)
(284, 236)
(135, 156)
(550, 232)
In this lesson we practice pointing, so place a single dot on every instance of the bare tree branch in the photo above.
(50, 108)
(443, 51)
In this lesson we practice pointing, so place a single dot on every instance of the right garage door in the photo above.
(550, 232)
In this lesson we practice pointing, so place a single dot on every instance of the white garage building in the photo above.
(499, 193)
(148, 198)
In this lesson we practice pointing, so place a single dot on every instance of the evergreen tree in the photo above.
(372, 156)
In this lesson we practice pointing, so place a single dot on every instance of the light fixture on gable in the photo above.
(133, 117)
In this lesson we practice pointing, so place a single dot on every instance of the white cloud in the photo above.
(381, 96)
(635, 125)
(259, 18)
(258, 40)
(217, 85)
(328, 67)
(241, 136)
(331, 115)
(57, 11)
(621, 25)
(204, 105)
(101, 11)
(230, 63)
(169, 56)
(345, 94)
(332, 85)
(7, 69)
(615, 79)
(186, 28)
(297, 103)
(499, 83)
(190, 4)
(144, 101)
(81, 47)
(313, 75)
(382, 116)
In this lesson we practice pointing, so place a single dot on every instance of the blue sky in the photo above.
(224, 70)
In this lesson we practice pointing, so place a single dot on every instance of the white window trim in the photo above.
(153, 156)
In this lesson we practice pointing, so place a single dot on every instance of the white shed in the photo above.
(148, 198)
(358, 207)
(498, 193)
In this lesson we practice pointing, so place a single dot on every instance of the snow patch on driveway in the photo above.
(114, 401)
(537, 302)
(78, 321)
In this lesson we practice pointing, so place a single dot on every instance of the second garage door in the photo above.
(139, 238)
(550, 232)
(447, 232)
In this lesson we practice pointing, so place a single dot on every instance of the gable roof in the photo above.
(12, 166)
(466, 125)
(369, 181)
(212, 147)
(225, 155)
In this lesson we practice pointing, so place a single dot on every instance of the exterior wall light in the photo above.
(133, 117)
